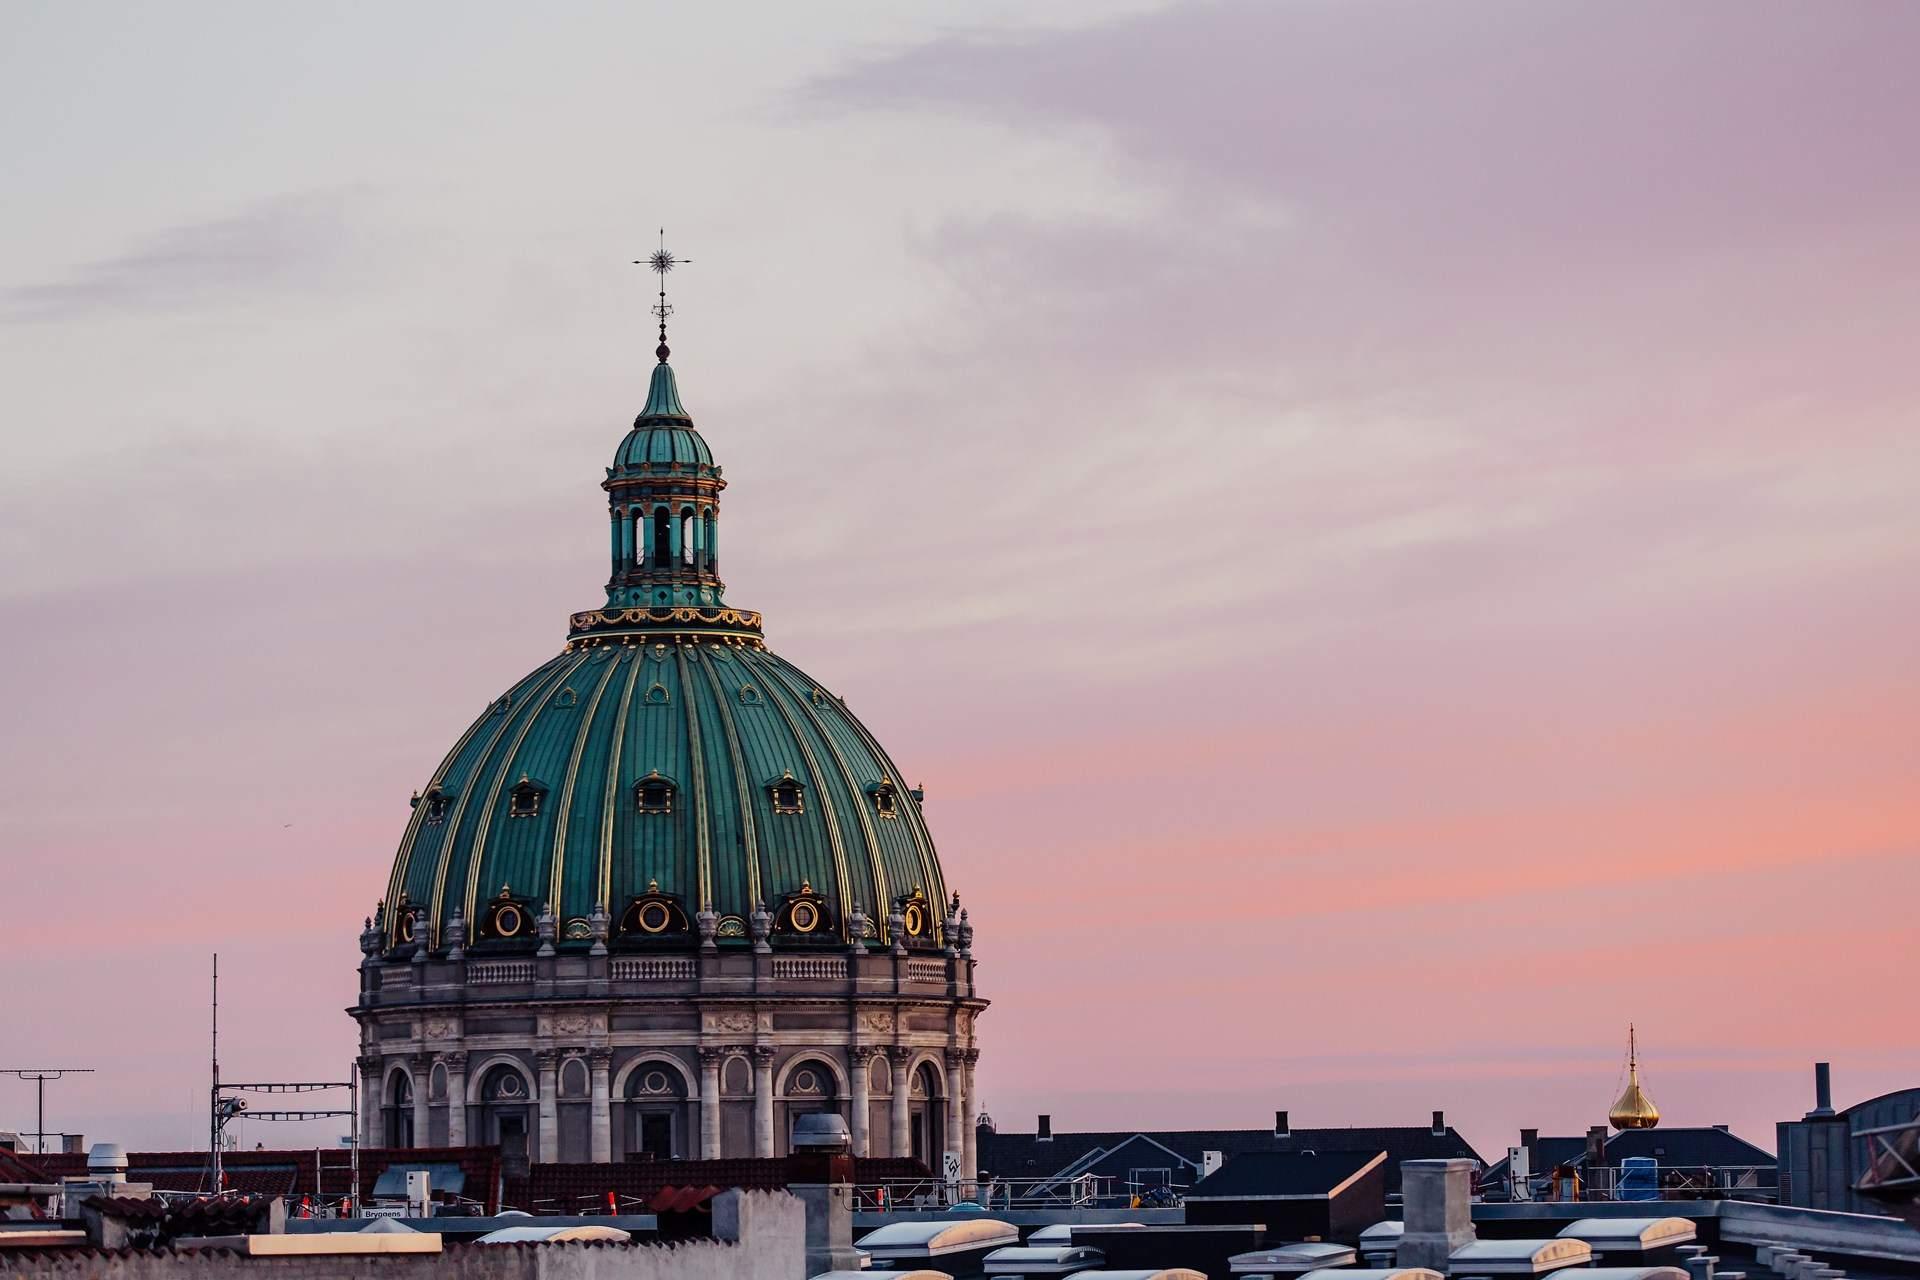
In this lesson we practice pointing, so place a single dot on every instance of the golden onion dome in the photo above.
(1634, 1110)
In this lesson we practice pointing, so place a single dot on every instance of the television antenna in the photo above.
(40, 1076)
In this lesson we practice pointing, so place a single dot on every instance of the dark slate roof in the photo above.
(1023, 1155)
(1282, 1173)
(1671, 1147)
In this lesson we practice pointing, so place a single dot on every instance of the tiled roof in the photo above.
(289, 1173)
(583, 1188)
(1023, 1155)
(15, 1167)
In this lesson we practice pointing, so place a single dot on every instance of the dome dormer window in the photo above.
(789, 795)
(653, 794)
(435, 801)
(886, 800)
(524, 800)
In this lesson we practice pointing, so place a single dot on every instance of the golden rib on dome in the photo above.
(1634, 1110)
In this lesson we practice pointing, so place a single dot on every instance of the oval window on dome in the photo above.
(654, 917)
(509, 921)
(915, 920)
(805, 917)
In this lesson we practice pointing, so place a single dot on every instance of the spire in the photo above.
(663, 393)
(1634, 1110)
(660, 261)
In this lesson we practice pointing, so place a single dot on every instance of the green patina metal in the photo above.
(667, 690)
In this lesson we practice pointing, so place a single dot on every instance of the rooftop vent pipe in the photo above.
(1280, 1127)
(1046, 1129)
(107, 1162)
(1822, 1089)
(1439, 1123)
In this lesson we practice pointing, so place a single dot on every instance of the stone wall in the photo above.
(761, 1236)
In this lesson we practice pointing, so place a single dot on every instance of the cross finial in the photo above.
(660, 261)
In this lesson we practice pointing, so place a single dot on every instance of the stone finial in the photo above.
(965, 934)
(420, 933)
(951, 932)
(707, 922)
(597, 929)
(457, 935)
(544, 927)
(760, 925)
(856, 930)
(897, 929)
(369, 939)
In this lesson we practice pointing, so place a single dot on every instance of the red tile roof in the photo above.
(15, 1167)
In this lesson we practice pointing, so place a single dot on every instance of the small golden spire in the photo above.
(1634, 1110)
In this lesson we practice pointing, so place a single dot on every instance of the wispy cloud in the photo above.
(291, 240)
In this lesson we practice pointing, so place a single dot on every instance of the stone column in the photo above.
(548, 1061)
(456, 1098)
(902, 1101)
(763, 1099)
(857, 1067)
(970, 1137)
(710, 1060)
(422, 1068)
(956, 1088)
(370, 1135)
(600, 1061)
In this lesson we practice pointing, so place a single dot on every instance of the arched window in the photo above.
(399, 1117)
(656, 1111)
(689, 535)
(710, 558)
(662, 538)
(811, 1087)
(505, 1100)
(928, 1129)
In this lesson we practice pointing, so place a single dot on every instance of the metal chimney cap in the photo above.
(822, 1130)
(107, 1157)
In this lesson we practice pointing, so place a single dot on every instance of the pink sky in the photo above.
(1387, 530)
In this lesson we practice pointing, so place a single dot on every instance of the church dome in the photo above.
(666, 781)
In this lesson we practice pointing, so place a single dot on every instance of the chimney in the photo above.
(1437, 1207)
(1280, 1127)
(1530, 1139)
(1439, 1124)
(1596, 1148)
(1822, 1089)
(1045, 1133)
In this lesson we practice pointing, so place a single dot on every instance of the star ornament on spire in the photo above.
(661, 261)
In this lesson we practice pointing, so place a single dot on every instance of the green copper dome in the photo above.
(665, 782)
(662, 434)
